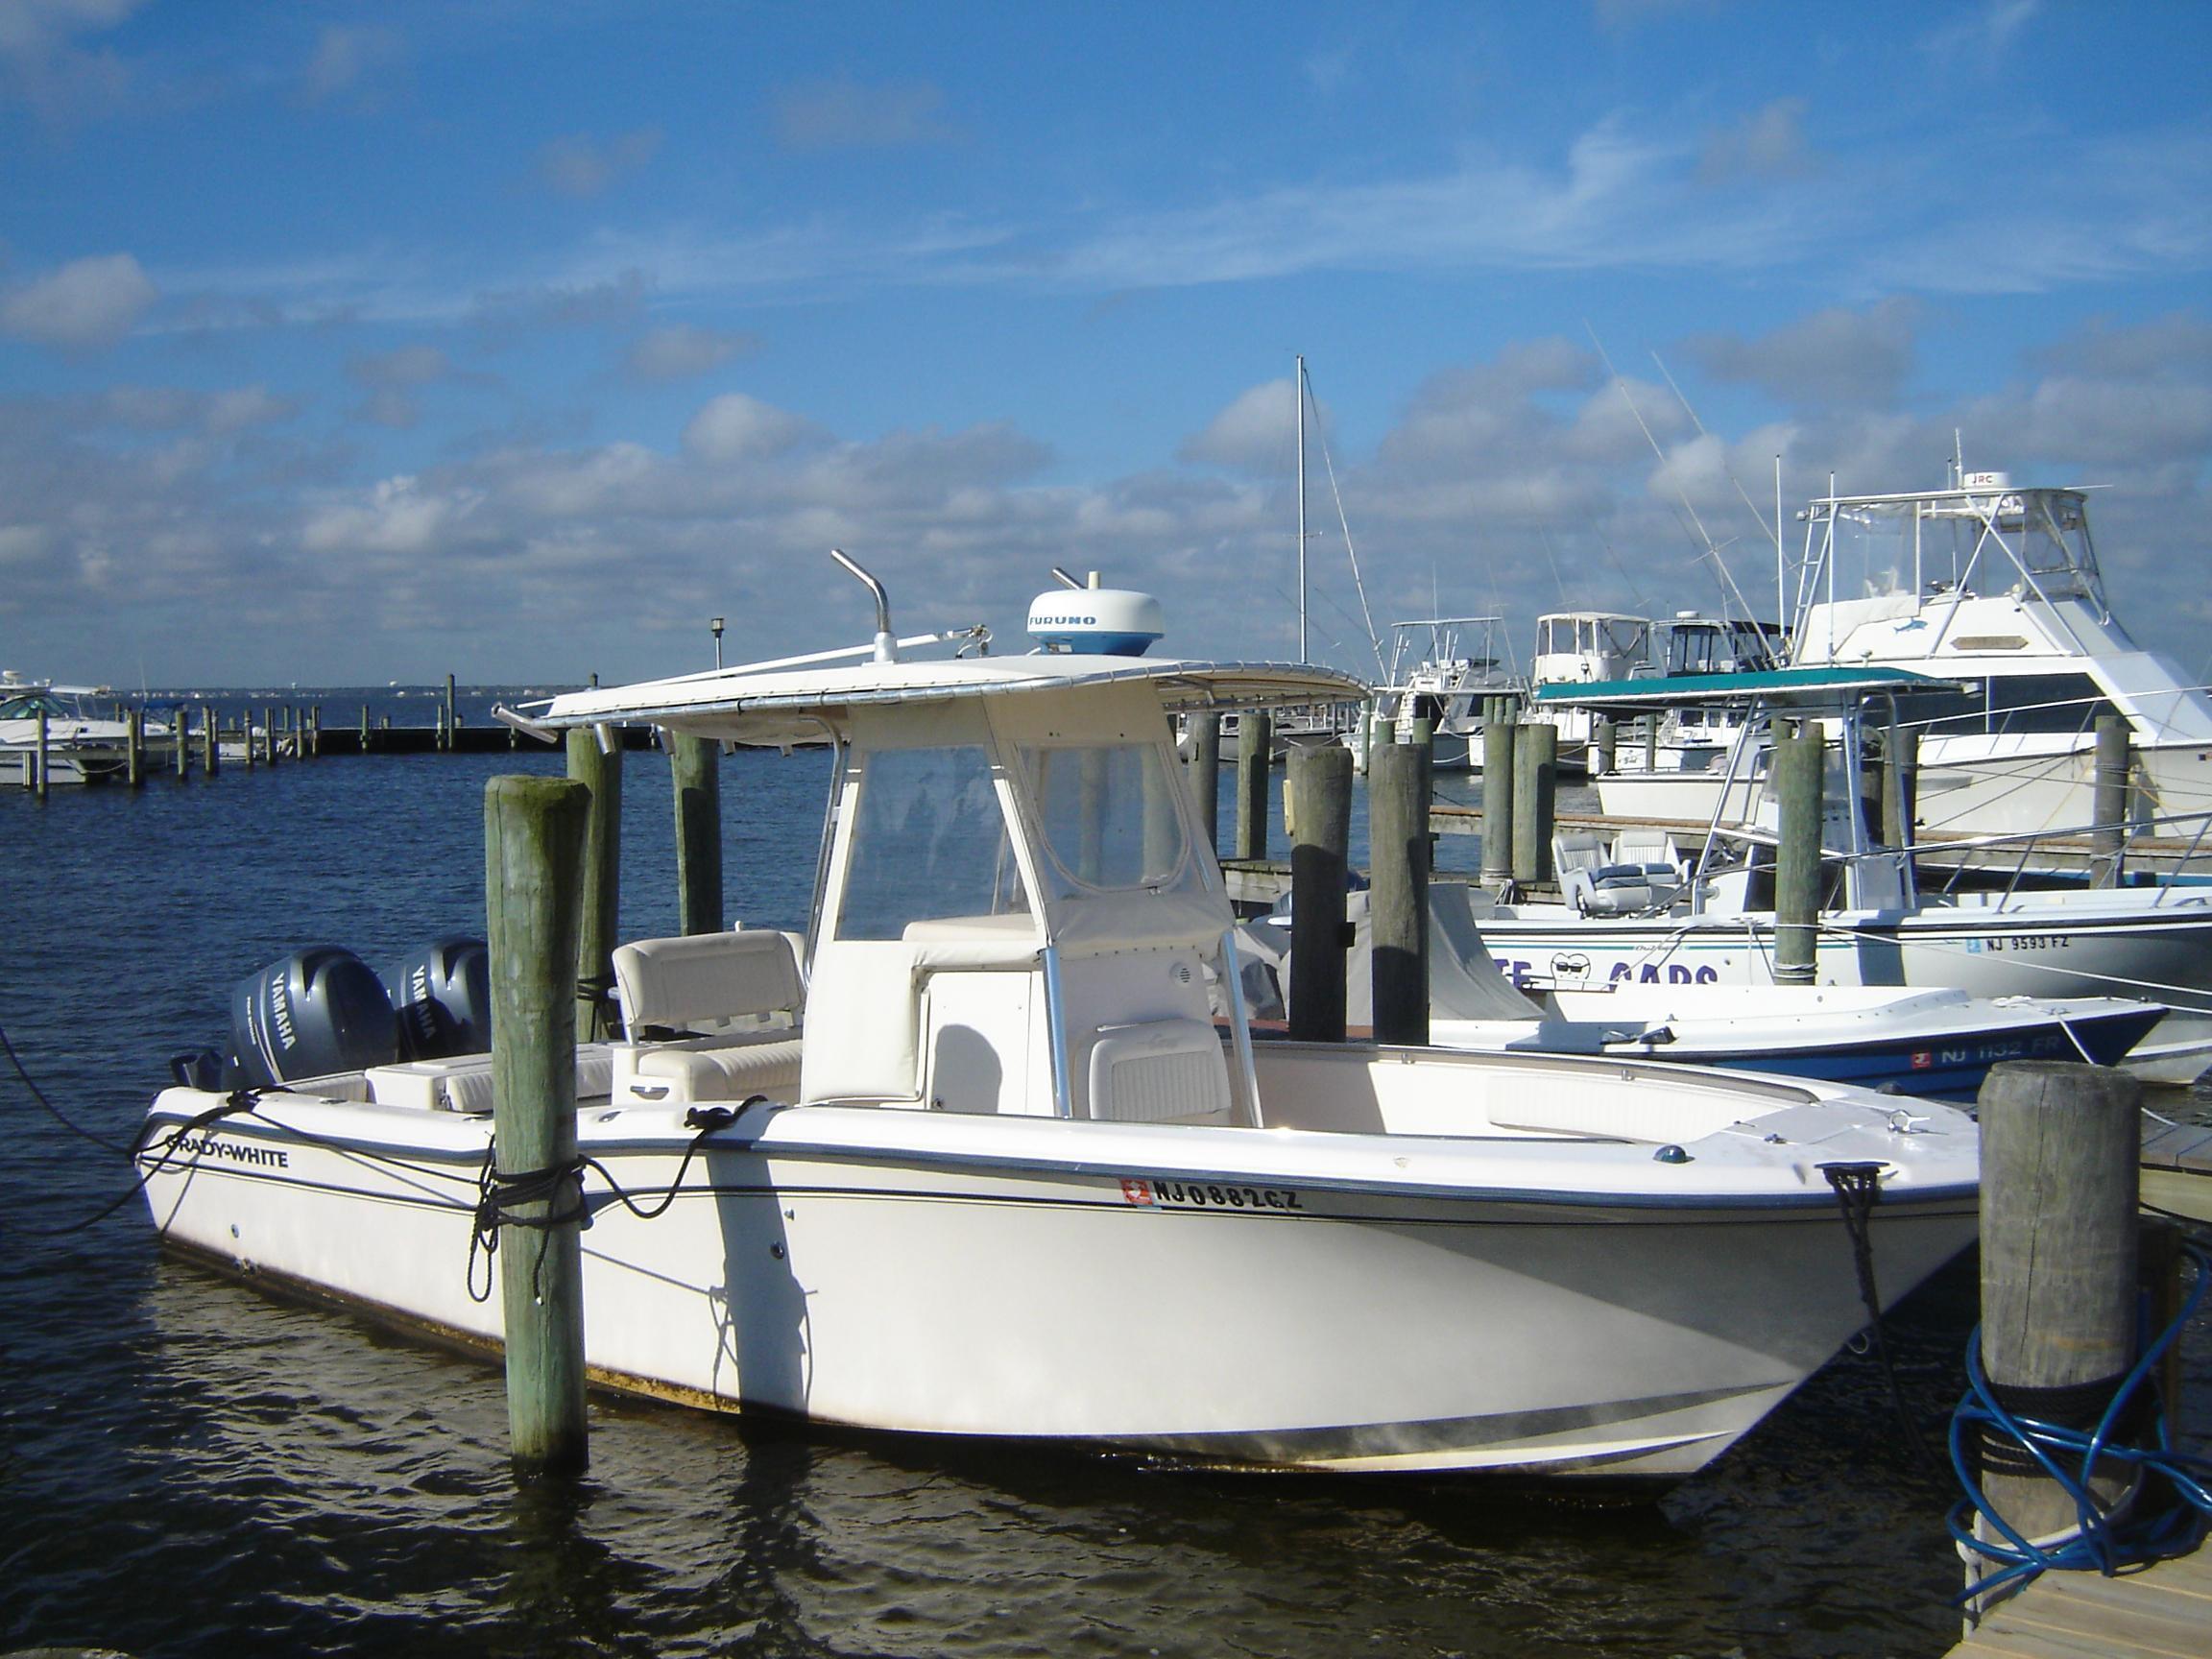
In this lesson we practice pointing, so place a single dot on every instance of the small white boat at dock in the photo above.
(996, 1152)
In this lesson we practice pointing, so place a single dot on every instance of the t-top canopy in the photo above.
(777, 707)
(1780, 688)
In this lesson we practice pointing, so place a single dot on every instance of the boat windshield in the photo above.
(929, 843)
(1998, 542)
(1108, 819)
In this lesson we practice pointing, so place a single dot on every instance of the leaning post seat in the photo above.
(707, 1017)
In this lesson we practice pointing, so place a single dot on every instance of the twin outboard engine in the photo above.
(318, 1011)
(324, 1010)
(443, 995)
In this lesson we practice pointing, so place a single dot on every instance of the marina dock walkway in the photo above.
(2163, 1612)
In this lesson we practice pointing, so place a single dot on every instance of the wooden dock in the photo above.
(2161, 1612)
(2178, 1178)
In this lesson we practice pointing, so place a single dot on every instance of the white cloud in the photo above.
(42, 65)
(397, 516)
(1835, 356)
(843, 113)
(348, 58)
(1769, 143)
(735, 427)
(679, 351)
(582, 165)
(1981, 36)
(1253, 434)
(87, 303)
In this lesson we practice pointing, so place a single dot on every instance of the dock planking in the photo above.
(2160, 1612)
(2176, 1175)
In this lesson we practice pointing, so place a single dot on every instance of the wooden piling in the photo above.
(452, 721)
(1255, 737)
(181, 743)
(1398, 792)
(1320, 854)
(134, 748)
(269, 737)
(593, 986)
(695, 771)
(1798, 760)
(1205, 776)
(535, 833)
(1604, 743)
(1498, 727)
(41, 759)
(2108, 811)
(2059, 1171)
(1535, 783)
(364, 728)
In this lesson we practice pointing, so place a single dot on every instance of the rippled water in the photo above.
(188, 1468)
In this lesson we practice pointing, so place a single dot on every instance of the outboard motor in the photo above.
(443, 995)
(318, 1011)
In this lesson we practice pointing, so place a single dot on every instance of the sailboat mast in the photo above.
(1299, 389)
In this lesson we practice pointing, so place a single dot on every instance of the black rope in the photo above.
(1857, 1189)
(52, 1111)
(708, 1120)
(238, 1100)
(500, 1195)
(499, 1192)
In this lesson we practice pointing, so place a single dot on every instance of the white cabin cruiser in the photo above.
(997, 1166)
(80, 747)
(1997, 590)
(1583, 648)
(1440, 670)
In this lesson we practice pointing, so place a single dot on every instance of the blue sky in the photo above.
(343, 343)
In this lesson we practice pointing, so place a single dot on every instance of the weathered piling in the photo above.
(695, 772)
(600, 770)
(1535, 783)
(181, 743)
(134, 748)
(1206, 775)
(534, 841)
(451, 721)
(1398, 792)
(1498, 727)
(1900, 784)
(364, 728)
(1320, 854)
(2060, 1147)
(211, 741)
(1798, 759)
(1604, 743)
(41, 759)
(1255, 737)
(269, 736)
(2108, 811)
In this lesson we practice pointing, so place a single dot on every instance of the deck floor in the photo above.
(2163, 1612)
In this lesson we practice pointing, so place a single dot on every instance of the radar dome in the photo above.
(1096, 621)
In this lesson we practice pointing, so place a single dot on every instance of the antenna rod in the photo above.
(1300, 393)
(886, 643)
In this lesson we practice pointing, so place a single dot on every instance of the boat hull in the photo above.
(1158, 1289)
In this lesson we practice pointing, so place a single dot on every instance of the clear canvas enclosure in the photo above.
(929, 842)
(1108, 819)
